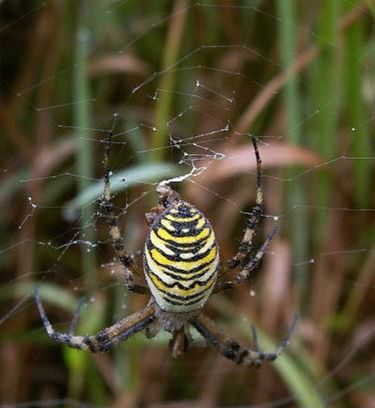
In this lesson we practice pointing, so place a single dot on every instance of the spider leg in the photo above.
(130, 268)
(106, 339)
(254, 218)
(231, 349)
(74, 322)
(180, 342)
(252, 264)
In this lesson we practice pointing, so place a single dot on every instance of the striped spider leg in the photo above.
(253, 221)
(133, 277)
(231, 349)
(106, 339)
(245, 247)
(250, 266)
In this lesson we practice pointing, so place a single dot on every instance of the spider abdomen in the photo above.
(181, 259)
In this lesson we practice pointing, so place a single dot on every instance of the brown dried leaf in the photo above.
(276, 282)
(241, 160)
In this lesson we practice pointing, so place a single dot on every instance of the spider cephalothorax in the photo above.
(181, 269)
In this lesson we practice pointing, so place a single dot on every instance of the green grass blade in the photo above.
(288, 12)
(85, 165)
(50, 293)
(85, 168)
(299, 383)
(325, 95)
(357, 111)
(144, 173)
(166, 86)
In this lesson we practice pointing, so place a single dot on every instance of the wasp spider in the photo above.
(182, 269)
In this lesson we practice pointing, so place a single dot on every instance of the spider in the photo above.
(181, 270)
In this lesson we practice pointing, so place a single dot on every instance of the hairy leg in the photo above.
(231, 349)
(74, 322)
(254, 218)
(133, 277)
(243, 275)
(107, 338)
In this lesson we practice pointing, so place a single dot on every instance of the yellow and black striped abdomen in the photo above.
(181, 259)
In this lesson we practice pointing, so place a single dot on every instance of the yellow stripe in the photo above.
(158, 270)
(200, 223)
(158, 243)
(167, 224)
(158, 257)
(183, 220)
(183, 240)
(209, 243)
(177, 291)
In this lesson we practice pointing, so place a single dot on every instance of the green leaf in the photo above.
(122, 180)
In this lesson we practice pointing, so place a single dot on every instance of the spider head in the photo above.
(167, 196)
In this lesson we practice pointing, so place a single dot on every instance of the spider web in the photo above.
(186, 120)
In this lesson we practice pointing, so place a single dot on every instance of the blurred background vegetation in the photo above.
(301, 76)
